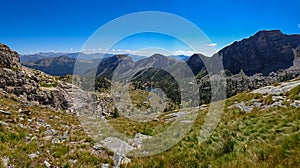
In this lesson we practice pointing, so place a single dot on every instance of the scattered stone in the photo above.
(155, 119)
(244, 107)
(5, 112)
(97, 147)
(55, 141)
(48, 138)
(27, 138)
(120, 159)
(117, 145)
(175, 116)
(47, 164)
(137, 142)
(4, 123)
(27, 112)
(21, 125)
(32, 156)
(125, 160)
(34, 138)
(73, 161)
(295, 103)
(50, 131)
(105, 165)
(186, 121)
(275, 98)
(277, 103)
(5, 161)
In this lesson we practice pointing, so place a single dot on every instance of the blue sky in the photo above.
(65, 25)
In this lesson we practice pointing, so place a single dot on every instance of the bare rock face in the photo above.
(264, 52)
(8, 57)
(30, 85)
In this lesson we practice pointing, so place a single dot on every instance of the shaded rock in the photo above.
(264, 52)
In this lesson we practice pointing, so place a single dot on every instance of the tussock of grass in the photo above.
(14, 146)
(294, 93)
(262, 138)
(268, 100)
(53, 84)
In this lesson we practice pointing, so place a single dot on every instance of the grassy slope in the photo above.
(262, 138)
(14, 147)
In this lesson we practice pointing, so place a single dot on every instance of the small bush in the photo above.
(54, 84)
(116, 113)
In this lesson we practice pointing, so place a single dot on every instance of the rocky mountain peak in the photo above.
(269, 33)
(264, 52)
(8, 57)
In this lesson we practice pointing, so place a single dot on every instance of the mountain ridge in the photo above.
(264, 52)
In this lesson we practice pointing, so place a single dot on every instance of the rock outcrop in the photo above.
(29, 85)
(264, 52)
(8, 57)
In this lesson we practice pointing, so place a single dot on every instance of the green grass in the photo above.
(242, 97)
(15, 69)
(14, 146)
(53, 84)
(268, 100)
(262, 138)
(294, 93)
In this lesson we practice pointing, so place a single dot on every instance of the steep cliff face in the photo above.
(264, 52)
(197, 62)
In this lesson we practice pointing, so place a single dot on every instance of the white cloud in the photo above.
(212, 44)
(181, 52)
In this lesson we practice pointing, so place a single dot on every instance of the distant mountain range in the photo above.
(264, 52)
(25, 58)
(82, 56)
